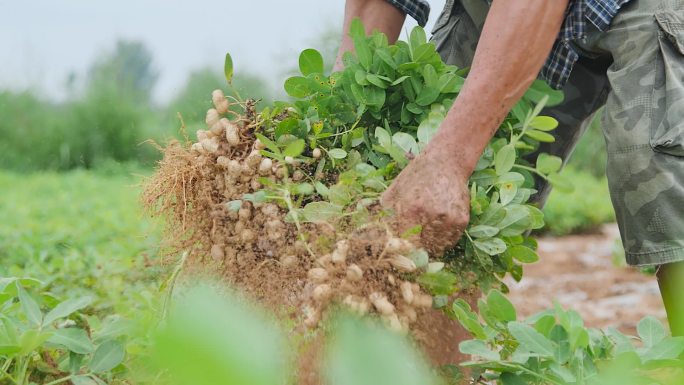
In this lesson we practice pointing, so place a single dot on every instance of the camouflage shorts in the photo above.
(635, 69)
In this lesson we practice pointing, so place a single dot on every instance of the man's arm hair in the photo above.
(516, 40)
(377, 15)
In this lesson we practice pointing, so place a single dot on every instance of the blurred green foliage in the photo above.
(78, 235)
(80, 227)
(589, 205)
(590, 154)
(109, 114)
(584, 209)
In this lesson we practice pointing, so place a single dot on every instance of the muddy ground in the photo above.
(580, 273)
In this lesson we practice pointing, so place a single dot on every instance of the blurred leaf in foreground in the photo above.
(213, 339)
(363, 353)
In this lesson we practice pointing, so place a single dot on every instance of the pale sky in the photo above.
(42, 41)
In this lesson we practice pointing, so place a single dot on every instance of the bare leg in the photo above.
(671, 282)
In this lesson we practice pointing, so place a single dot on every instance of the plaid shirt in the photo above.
(563, 56)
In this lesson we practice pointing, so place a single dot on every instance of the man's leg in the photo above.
(644, 131)
(671, 282)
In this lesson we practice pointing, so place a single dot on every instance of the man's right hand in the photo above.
(432, 191)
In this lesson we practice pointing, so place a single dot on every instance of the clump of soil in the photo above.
(297, 270)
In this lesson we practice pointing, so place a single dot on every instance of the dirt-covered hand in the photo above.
(432, 192)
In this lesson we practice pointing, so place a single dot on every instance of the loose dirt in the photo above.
(578, 271)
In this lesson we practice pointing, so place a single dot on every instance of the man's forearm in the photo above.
(516, 40)
(376, 15)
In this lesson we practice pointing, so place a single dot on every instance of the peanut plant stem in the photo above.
(60, 380)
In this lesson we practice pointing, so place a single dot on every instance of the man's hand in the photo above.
(432, 191)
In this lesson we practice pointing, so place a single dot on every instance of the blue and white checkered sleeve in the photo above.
(417, 9)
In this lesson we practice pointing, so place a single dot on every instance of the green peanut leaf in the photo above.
(271, 145)
(491, 246)
(294, 148)
(228, 68)
(337, 153)
(417, 38)
(451, 83)
(540, 136)
(427, 96)
(511, 177)
(400, 80)
(107, 356)
(478, 348)
(419, 257)
(303, 189)
(531, 339)
(464, 314)
(483, 231)
(375, 96)
(439, 283)
(504, 160)
(383, 137)
(310, 62)
(539, 89)
(29, 306)
(356, 29)
(234, 205)
(651, 331)
(547, 164)
(428, 127)
(669, 348)
(406, 142)
(544, 123)
(376, 81)
(297, 86)
(321, 211)
(66, 308)
(74, 339)
(523, 254)
(31, 339)
(386, 57)
(363, 51)
(507, 192)
(509, 378)
(500, 307)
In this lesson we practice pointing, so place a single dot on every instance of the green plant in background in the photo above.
(53, 346)
(584, 209)
(554, 347)
(590, 154)
(106, 117)
(80, 238)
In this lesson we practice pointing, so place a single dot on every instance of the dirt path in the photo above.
(578, 271)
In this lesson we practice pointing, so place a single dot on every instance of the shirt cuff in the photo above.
(417, 9)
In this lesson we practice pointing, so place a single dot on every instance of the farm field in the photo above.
(301, 241)
(580, 272)
(81, 233)
(84, 232)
